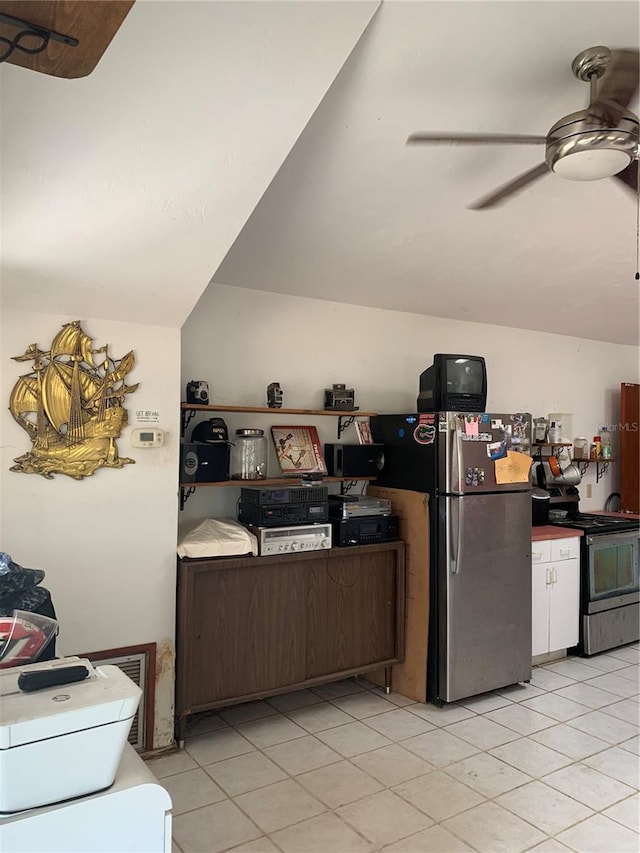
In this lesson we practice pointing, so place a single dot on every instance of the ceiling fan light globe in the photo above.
(591, 165)
(591, 144)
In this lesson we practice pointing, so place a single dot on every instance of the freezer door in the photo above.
(409, 451)
(484, 593)
(469, 444)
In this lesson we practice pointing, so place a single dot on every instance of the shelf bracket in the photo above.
(28, 31)
(582, 466)
(185, 494)
(344, 422)
(347, 485)
(186, 415)
(601, 467)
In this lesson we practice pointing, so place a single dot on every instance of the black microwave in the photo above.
(454, 383)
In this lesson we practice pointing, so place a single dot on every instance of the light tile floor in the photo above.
(343, 768)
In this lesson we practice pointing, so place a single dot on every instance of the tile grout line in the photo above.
(399, 742)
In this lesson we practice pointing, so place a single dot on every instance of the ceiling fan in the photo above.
(598, 142)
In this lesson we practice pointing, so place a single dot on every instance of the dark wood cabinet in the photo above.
(251, 627)
(629, 447)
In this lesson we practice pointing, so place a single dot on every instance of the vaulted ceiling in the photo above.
(262, 145)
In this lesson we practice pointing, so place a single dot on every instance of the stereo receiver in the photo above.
(278, 515)
(367, 530)
(291, 540)
(352, 506)
(264, 496)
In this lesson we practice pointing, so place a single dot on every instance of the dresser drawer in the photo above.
(541, 551)
(565, 549)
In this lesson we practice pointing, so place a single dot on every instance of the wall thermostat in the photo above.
(147, 437)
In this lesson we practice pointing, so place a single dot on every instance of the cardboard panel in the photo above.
(412, 508)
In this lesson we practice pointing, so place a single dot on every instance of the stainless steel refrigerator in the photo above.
(475, 468)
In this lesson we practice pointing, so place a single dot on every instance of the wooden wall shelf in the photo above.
(345, 419)
(273, 481)
(187, 489)
(266, 410)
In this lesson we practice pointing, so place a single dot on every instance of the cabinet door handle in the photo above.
(554, 576)
(548, 577)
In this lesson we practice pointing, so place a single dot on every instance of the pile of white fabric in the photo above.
(218, 537)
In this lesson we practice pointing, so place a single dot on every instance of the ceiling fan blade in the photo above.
(620, 81)
(508, 189)
(475, 139)
(629, 176)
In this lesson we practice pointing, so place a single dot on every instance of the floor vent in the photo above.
(138, 662)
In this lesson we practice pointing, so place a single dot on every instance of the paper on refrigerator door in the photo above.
(514, 468)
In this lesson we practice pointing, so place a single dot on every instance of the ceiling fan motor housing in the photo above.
(588, 145)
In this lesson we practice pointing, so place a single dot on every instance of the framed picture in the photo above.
(364, 431)
(298, 450)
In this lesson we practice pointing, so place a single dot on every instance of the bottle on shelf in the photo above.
(605, 441)
(596, 448)
(555, 432)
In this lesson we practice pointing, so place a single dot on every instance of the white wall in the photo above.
(240, 340)
(107, 542)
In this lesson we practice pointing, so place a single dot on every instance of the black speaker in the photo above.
(204, 463)
(353, 460)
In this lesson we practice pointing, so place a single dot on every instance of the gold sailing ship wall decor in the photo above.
(71, 406)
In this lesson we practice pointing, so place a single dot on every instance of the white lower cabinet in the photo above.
(556, 594)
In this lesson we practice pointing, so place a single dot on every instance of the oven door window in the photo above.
(613, 566)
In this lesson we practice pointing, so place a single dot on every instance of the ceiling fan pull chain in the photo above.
(638, 225)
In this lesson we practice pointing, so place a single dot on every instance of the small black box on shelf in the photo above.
(204, 463)
(353, 460)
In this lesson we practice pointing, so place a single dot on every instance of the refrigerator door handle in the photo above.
(456, 464)
(456, 555)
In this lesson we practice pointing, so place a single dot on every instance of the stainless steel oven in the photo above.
(610, 568)
(609, 580)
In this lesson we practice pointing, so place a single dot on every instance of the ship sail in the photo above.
(72, 341)
(57, 391)
(24, 397)
(125, 365)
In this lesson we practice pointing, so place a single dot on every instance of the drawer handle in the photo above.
(537, 557)
(565, 552)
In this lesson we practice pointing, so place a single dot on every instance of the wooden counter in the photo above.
(548, 531)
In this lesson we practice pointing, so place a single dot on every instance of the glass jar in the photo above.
(605, 441)
(249, 455)
(580, 447)
(540, 430)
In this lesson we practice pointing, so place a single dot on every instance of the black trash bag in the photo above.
(20, 590)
